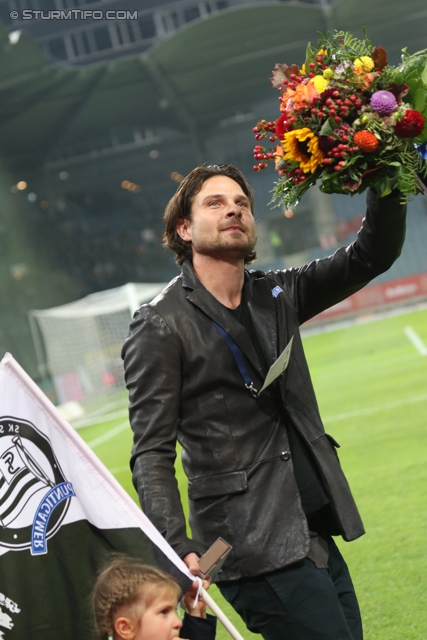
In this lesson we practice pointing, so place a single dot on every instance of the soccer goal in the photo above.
(78, 344)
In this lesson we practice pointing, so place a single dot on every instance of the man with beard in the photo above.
(261, 471)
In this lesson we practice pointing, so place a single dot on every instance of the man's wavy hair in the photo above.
(179, 206)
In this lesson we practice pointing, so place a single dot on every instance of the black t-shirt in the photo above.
(312, 494)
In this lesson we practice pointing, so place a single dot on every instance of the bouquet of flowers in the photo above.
(349, 120)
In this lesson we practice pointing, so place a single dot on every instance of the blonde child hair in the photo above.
(127, 582)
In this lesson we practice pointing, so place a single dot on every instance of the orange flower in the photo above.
(364, 79)
(301, 95)
(289, 93)
(366, 141)
(304, 93)
(278, 155)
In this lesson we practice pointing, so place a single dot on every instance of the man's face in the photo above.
(222, 225)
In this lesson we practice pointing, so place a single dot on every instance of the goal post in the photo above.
(78, 344)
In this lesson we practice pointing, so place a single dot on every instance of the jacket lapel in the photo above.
(261, 304)
(210, 306)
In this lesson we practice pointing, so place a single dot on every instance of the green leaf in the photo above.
(310, 56)
(423, 135)
(420, 99)
(385, 188)
(327, 129)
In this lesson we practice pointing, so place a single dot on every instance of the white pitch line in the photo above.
(416, 341)
(108, 417)
(110, 434)
(380, 407)
(105, 408)
(119, 469)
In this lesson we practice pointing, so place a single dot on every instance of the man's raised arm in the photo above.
(323, 283)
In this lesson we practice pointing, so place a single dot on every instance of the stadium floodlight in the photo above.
(78, 344)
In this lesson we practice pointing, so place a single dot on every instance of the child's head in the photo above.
(133, 601)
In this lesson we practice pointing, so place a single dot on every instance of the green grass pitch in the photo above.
(371, 384)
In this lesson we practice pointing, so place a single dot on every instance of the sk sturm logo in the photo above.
(34, 494)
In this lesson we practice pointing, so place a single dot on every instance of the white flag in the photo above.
(62, 517)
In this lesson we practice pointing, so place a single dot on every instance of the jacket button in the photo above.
(285, 455)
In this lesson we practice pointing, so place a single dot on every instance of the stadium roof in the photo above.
(211, 70)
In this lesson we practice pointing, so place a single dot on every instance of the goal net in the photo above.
(78, 344)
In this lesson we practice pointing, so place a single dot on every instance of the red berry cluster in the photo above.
(294, 80)
(337, 107)
(303, 109)
(262, 130)
(261, 153)
(320, 59)
(297, 176)
(334, 156)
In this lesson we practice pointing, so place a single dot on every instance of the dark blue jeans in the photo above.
(299, 602)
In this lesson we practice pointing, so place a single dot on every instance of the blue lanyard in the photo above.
(240, 361)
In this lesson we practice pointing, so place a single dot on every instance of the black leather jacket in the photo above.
(184, 384)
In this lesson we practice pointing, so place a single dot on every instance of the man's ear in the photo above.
(183, 229)
(125, 628)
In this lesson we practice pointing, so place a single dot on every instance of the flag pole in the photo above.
(221, 616)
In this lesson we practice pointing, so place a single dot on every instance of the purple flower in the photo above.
(383, 102)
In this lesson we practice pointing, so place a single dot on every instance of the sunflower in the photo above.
(301, 145)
